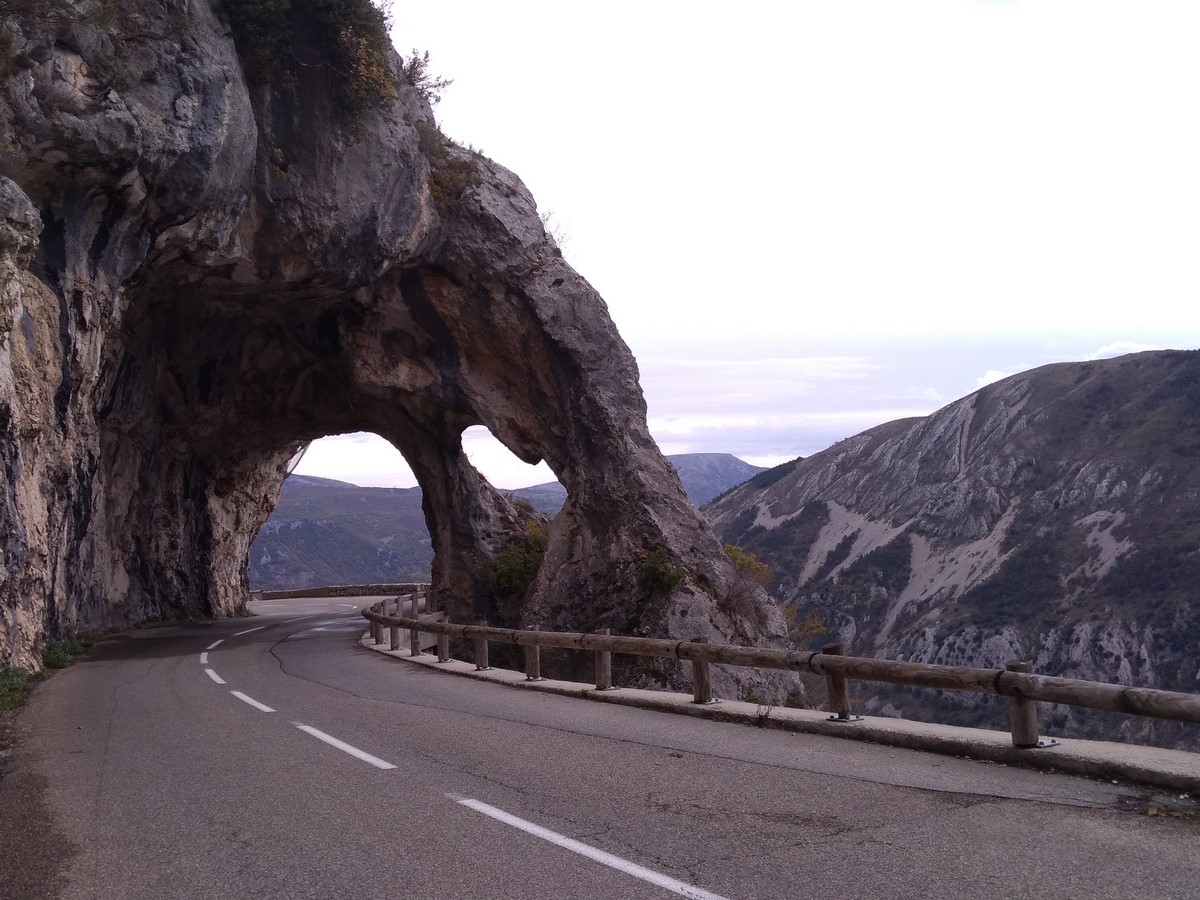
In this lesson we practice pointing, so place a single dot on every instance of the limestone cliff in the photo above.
(1053, 516)
(199, 273)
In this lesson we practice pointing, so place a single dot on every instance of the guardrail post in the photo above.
(443, 648)
(837, 689)
(701, 678)
(481, 652)
(604, 667)
(414, 636)
(1023, 713)
(533, 660)
(394, 644)
(381, 608)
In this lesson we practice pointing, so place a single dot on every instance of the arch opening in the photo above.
(350, 511)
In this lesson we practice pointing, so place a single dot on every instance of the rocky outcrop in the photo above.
(1052, 517)
(201, 274)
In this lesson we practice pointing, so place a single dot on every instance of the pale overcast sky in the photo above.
(811, 218)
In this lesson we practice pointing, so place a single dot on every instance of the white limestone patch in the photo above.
(1104, 547)
(872, 533)
(948, 571)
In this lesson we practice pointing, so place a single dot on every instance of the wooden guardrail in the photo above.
(1023, 687)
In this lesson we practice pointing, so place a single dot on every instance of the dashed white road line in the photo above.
(666, 882)
(348, 605)
(248, 630)
(301, 619)
(344, 747)
(204, 658)
(213, 645)
(259, 706)
(214, 676)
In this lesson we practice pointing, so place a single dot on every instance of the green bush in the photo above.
(416, 72)
(349, 36)
(59, 654)
(450, 174)
(15, 684)
(656, 575)
(749, 567)
(510, 572)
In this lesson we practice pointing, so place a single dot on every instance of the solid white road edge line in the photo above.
(252, 701)
(248, 630)
(214, 676)
(204, 658)
(344, 747)
(673, 885)
(213, 645)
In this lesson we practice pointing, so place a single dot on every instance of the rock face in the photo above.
(199, 275)
(1052, 517)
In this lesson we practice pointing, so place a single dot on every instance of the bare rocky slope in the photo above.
(229, 229)
(329, 532)
(1053, 517)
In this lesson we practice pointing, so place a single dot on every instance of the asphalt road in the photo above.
(272, 757)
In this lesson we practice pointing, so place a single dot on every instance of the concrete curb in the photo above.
(1173, 769)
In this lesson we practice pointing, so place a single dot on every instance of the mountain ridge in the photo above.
(1053, 516)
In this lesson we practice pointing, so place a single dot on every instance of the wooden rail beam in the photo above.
(1149, 702)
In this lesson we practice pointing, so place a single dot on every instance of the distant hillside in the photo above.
(331, 532)
(704, 476)
(1053, 516)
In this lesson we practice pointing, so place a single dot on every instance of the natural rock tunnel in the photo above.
(195, 282)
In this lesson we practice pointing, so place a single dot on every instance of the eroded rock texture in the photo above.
(198, 276)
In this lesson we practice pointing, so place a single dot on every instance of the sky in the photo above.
(809, 218)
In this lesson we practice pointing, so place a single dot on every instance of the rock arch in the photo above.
(179, 313)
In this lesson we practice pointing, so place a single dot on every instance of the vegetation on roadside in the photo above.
(15, 685)
(60, 654)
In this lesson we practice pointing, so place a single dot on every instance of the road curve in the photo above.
(272, 757)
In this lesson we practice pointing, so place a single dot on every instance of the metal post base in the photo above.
(1042, 744)
(845, 720)
(711, 702)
